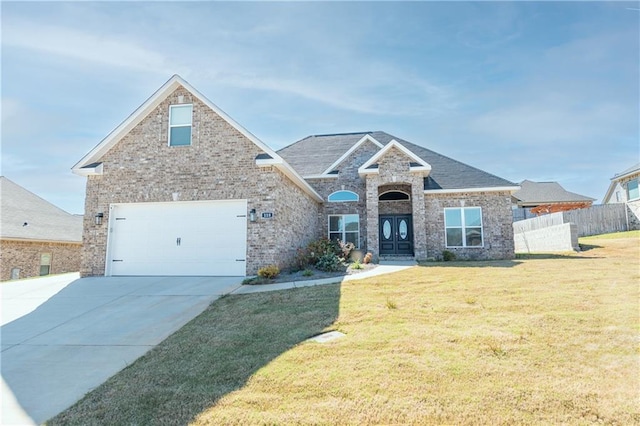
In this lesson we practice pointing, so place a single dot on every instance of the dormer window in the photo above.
(180, 125)
(341, 196)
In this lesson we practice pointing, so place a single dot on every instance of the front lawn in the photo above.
(548, 340)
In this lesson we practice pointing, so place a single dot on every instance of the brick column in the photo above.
(373, 243)
(419, 217)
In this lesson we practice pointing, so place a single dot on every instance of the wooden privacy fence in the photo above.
(598, 219)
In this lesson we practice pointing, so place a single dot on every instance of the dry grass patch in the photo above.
(532, 341)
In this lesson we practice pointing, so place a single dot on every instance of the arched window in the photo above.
(340, 196)
(394, 196)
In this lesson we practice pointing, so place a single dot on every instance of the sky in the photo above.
(545, 91)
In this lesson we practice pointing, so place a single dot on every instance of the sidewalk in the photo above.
(383, 268)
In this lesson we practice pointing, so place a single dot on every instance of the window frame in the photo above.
(344, 232)
(172, 126)
(393, 191)
(463, 227)
(45, 263)
(343, 191)
(637, 189)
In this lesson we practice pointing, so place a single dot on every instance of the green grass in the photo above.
(613, 235)
(528, 341)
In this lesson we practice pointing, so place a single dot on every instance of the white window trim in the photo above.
(343, 201)
(344, 232)
(171, 126)
(637, 180)
(464, 228)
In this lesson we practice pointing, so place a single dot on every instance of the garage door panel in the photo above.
(190, 238)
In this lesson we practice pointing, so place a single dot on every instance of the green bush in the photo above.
(448, 256)
(328, 262)
(270, 271)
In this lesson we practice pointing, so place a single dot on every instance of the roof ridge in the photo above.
(341, 134)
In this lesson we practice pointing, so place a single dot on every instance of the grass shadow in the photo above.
(587, 247)
(213, 355)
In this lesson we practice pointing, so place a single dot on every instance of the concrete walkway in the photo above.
(63, 336)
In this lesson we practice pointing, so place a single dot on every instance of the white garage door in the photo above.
(179, 238)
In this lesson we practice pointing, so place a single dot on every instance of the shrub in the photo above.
(317, 249)
(307, 272)
(448, 256)
(270, 271)
(345, 249)
(367, 258)
(356, 264)
(328, 262)
(301, 260)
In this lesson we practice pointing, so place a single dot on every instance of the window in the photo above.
(340, 196)
(180, 125)
(345, 227)
(45, 263)
(463, 227)
(394, 196)
(632, 190)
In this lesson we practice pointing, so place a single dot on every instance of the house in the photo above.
(536, 198)
(180, 188)
(624, 189)
(36, 237)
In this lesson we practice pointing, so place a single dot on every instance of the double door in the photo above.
(396, 235)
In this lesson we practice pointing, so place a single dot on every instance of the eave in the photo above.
(510, 189)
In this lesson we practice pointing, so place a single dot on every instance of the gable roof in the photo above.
(616, 179)
(44, 221)
(417, 163)
(446, 173)
(531, 193)
(90, 163)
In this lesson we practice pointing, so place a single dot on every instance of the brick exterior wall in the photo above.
(25, 255)
(349, 180)
(427, 212)
(496, 223)
(219, 164)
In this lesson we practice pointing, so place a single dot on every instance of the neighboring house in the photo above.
(182, 189)
(537, 198)
(36, 237)
(624, 189)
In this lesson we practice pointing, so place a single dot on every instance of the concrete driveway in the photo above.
(63, 336)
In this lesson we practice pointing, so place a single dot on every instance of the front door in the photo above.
(396, 235)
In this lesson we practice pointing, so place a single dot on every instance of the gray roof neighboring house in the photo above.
(536, 193)
(631, 170)
(25, 216)
(312, 156)
(615, 180)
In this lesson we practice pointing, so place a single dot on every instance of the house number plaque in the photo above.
(267, 215)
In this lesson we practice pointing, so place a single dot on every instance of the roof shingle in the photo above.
(314, 154)
(44, 221)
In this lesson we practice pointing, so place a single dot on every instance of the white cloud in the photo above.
(101, 48)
